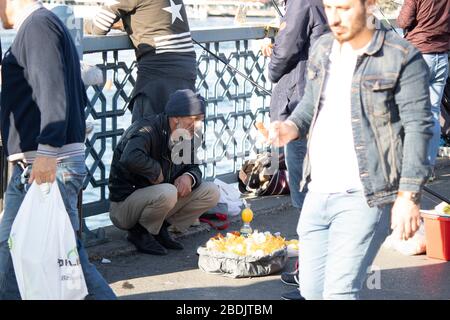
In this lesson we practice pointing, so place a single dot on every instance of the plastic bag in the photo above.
(91, 75)
(412, 246)
(44, 250)
(230, 196)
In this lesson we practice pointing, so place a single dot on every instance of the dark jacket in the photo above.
(426, 24)
(391, 115)
(141, 154)
(153, 25)
(43, 96)
(303, 23)
(162, 40)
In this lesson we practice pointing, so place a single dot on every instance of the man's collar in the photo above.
(376, 43)
(27, 11)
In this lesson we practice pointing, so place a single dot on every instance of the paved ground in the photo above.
(177, 277)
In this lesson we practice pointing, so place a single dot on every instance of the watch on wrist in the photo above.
(413, 196)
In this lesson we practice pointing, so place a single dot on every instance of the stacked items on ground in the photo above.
(237, 256)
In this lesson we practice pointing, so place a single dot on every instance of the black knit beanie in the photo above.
(184, 103)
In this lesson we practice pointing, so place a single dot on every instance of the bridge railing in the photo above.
(234, 104)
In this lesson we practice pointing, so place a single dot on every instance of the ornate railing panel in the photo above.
(234, 104)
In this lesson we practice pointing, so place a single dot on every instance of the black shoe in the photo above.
(166, 239)
(292, 295)
(144, 241)
(290, 278)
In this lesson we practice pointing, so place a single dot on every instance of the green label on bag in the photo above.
(71, 260)
(72, 253)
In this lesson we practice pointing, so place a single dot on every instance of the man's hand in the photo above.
(281, 133)
(267, 49)
(405, 219)
(160, 178)
(184, 185)
(43, 170)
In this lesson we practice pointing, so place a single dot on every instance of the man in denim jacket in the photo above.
(366, 112)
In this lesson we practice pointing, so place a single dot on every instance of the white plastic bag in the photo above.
(412, 246)
(91, 75)
(43, 248)
(231, 196)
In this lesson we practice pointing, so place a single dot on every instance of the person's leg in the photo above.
(156, 94)
(439, 69)
(189, 208)
(14, 196)
(142, 106)
(313, 248)
(357, 232)
(147, 206)
(295, 152)
(70, 177)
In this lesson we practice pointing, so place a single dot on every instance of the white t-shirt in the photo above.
(334, 166)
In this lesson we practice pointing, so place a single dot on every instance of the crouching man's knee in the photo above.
(168, 196)
(211, 193)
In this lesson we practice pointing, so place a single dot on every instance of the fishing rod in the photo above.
(277, 8)
(386, 19)
(232, 68)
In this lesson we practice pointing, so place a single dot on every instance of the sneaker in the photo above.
(166, 240)
(144, 241)
(292, 295)
(290, 278)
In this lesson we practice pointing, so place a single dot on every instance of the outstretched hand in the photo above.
(281, 133)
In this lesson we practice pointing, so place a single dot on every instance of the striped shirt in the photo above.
(155, 26)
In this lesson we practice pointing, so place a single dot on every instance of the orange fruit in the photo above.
(247, 215)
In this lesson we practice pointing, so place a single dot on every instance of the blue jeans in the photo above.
(70, 175)
(438, 64)
(295, 152)
(340, 237)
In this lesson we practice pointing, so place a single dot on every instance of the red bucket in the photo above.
(437, 233)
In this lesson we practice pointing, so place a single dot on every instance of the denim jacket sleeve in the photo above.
(412, 99)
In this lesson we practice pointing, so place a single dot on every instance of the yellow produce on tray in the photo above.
(256, 244)
(443, 208)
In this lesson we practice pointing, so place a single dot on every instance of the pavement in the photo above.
(176, 276)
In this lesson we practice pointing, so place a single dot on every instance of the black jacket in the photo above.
(140, 155)
(303, 23)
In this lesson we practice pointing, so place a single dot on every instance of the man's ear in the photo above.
(371, 6)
